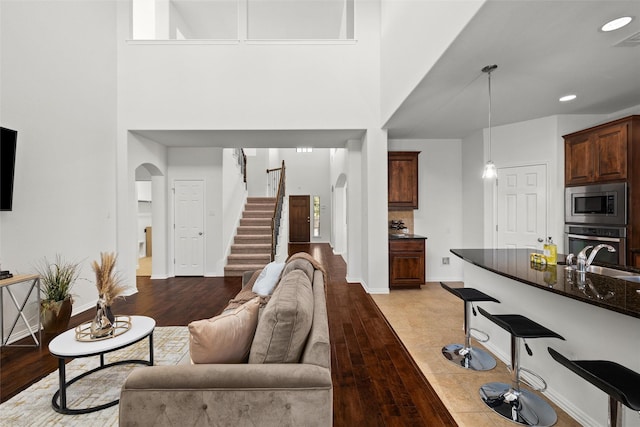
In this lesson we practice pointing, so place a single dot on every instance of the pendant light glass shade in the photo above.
(490, 171)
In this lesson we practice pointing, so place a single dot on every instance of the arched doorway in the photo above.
(149, 201)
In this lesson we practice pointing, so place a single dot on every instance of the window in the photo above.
(226, 21)
(316, 216)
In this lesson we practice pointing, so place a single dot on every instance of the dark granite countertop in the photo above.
(401, 236)
(618, 295)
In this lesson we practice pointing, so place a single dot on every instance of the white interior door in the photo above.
(189, 228)
(522, 206)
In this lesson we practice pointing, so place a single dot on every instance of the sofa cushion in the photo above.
(285, 322)
(299, 264)
(225, 338)
(268, 278)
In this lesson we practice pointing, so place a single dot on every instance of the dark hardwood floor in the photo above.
(376, 382)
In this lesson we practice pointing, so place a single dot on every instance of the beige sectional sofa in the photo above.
(258, 392)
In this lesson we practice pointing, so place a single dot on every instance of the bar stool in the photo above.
(464, 355)
(619, 382)
(509, 401)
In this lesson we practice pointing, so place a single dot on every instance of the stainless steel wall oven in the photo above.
(578, 237)
(596, 214)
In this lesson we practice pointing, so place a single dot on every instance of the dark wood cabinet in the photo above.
(598, 154)
(636, 259)
(406, 262)
(577, 156)
(402, 169)
(609, 152)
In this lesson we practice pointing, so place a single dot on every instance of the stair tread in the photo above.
(251, 248)
(249, 256)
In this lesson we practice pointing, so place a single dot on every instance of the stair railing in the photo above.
(242, 162)
(276, 177)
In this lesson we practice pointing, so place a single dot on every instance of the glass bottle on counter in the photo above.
(550, 251)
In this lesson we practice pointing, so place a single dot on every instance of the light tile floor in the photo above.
(426, 319)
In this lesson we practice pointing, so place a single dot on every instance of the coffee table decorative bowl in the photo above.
(121, 325)
(67, 346)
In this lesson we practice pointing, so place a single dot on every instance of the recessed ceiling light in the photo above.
(567, 98)
(616, 23)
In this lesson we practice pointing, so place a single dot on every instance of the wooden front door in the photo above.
(300, 219)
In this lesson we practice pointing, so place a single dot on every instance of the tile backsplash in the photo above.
(405, 216)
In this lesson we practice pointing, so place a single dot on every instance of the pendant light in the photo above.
(489, 169)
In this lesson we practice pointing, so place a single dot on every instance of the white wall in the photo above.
(528, 143)
(472, 191)
(234, 196)
(439, 213)
(537, 141)
(257, 165)
(308, 174)
(374, 242)
(337, 174)
(58, 90)
(250, 86)
(203, 164)
(355, 262)
(153, 158)
(256, 86)
(414, 36)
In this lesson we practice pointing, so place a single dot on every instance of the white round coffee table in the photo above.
(65, 345)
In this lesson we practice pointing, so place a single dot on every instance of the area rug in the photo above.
(32, 407)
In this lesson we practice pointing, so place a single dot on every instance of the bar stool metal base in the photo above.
(521, 407)
(472, 358)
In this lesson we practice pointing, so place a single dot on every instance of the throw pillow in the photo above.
(268, 278)
(285, 322)
(225, 338)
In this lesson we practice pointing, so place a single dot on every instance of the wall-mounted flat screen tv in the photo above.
(8, 139)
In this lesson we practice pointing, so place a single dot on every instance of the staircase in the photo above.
(251, 249)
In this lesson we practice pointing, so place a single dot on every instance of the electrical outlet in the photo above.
(445, 260)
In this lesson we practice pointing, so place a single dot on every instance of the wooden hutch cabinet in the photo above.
(402, 185)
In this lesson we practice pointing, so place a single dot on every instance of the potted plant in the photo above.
(56, 280)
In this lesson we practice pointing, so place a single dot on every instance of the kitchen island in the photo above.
(598, 317)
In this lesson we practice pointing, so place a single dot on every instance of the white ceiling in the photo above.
(543, 49)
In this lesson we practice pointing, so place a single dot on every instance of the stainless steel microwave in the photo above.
(596, 204)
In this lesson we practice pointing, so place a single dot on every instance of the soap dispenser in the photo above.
(550, 251)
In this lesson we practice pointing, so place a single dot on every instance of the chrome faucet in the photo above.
(583, 262)
(569, 260)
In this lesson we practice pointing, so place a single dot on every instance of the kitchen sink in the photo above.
(612, 272)
(635, 279)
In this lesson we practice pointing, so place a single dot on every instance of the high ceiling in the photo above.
(544, 50)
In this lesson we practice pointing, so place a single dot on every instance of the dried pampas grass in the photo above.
(108, 281)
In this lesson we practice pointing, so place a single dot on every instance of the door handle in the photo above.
(540, 240)
(200, 233)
